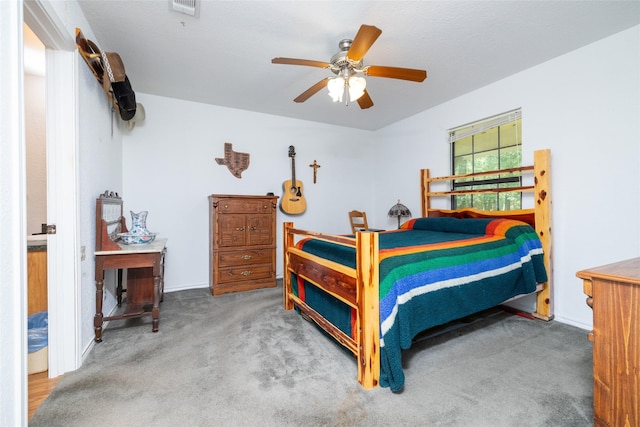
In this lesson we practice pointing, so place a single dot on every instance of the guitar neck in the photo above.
(293, 171)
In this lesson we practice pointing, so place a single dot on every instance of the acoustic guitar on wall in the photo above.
(293, 202)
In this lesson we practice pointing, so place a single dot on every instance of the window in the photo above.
(489, 144)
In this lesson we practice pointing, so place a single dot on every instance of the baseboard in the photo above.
(572, 322)
(186, 287)
(203, 285)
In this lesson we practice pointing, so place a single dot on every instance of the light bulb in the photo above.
(356, 87)
(336, 88)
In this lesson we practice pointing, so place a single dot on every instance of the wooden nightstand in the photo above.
(614, 295)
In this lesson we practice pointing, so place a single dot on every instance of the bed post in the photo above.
(425, 187)
(286, 275)
(368, 326)
(542, 199)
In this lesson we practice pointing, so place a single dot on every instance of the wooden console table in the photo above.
(614, 295)
(143, 262)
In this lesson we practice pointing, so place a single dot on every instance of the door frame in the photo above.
(62, 184)
(13, 245)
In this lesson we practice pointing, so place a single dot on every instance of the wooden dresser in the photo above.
(242, 241)
(614, 295)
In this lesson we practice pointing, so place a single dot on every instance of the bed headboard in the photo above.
(539, 217)
(109, 221)
(525, 215)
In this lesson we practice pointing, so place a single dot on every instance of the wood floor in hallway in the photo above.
(40, 386)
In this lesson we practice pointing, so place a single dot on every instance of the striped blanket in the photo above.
(432, 271)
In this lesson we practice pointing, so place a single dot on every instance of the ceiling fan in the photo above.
(347, 65)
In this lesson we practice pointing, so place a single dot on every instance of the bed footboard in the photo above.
(358, 288)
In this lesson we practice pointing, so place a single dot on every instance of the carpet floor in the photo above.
(241, 360)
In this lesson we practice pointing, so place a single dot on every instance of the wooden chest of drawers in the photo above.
(242, 241)
(614, 295)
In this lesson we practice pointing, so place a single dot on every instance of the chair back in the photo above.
(358, 221)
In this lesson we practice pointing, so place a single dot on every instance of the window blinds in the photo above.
(480, 126)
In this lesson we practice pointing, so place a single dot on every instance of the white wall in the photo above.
(99, 167)
(169, 169)
(585, 107)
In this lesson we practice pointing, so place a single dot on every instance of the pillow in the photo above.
(449, 224)
(481, 226)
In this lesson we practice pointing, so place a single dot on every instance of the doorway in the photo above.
(61, 183)
(42, 18)
(36, 177)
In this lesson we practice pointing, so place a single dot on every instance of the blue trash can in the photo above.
(38, 341)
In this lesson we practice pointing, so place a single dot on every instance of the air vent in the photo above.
(188, 7)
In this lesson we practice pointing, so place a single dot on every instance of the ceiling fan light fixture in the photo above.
(356, 87)
(347, 65)
(336, 88)
(339, 86)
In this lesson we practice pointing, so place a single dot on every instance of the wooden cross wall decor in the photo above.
(315, 167)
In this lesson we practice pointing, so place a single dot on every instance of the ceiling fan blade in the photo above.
(396, 73)
(367, 35)
(365, 101)
(295, 61)
(312, 90)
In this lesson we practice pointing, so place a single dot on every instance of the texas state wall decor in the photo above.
(235, 161)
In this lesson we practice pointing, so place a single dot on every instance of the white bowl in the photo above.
(132, 239)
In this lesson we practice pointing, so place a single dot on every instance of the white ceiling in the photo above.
(223, 57)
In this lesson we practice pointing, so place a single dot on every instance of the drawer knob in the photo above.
(253, 228)
(239, 228)
(246, 273)
(226, 206)
(246, 257)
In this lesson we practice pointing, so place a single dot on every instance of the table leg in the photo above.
(155, 312)
(119, 288)
(97, 320)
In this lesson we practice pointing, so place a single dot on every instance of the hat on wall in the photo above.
(138, 117)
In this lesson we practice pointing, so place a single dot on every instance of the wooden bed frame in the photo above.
(358, 288)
